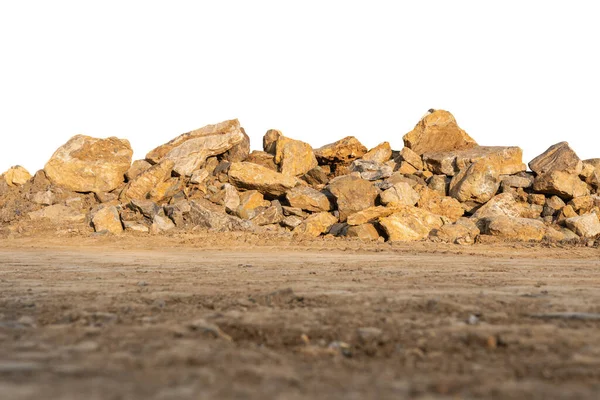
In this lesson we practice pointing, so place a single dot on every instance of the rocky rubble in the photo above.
(442, 186)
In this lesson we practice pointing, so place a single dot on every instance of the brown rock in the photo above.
(352, 194)
(506, 204)
(240, 151)
(437, 131)
(189, 151)
(463, 231)
(270, 141)
(400, 193)
(587, 226)
(552, 206)
(86, 164)
(342, 151)
(316, 224)
(364, 232)
(107, 219)
(583, 204)
(316, 177)
(165, 190)
(435, 203)
(371, 170)
(246, 175)
(410, 224)
(412, 158)
(251, 202)
(439, 183)
(513, 228)
(478, 183)
(141, 186)
(16, 176)
(263, 159)
(379, 154)
(308, 199)
(199, 176)
(507, 160)
(370, 214)
(136, 169)
(406, 168)
(294, 157)
(270, 215)
(161, 224)
(563, 184)
(58, 214)
(517, 181)
(565, 213)
(558, 157)
(205, 217)
(292, 221)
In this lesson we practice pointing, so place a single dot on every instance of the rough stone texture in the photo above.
(133, 226)
(342, 151)
(587, 226)
(400, 193)
(563, 184)
(558, 157)
(316, 177)
(292, 221)
(410, 224)
(478, 183)
(379, 154)
(440, 184)
(270, 141)
(141, 186)
(86, 164)
(504, 204)
(294, 157)
(107, 219)
(513, 228)
(204, 217)
(411, 158)
(370, 214)
(365, 232)
(406, 168)
(240, 151)
(583, 204)
(507, 160)
(517, 181)
(553, 205)
(435, 203)
(246, 175)
(371, 170)
(165, 190)
(58, 214)
(136, 168)
(189, 151)
(308, 199)
(263, 159)
(199, 176)
(231, 198)
(270, 215)
(251, 202)
(437, 131)
(46, 198)
(463, 231)
(147, 208)
(161, 224)
(316, 224)
(352, 194)
(16, 176)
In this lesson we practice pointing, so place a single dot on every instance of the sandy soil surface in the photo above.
(228, 316)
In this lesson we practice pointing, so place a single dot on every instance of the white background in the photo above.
(520, 73)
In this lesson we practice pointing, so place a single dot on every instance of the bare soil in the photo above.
(216, 316)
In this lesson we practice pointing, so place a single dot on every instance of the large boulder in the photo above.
(479, 183)
(343, 151)
(316, 224)
(514, 228)
(507, 160)
(437, 131)
(87, 164)
(308, 199)
(587, 226)
(252, 176)
(400, 193)
(410, 224)
(561, 183)
(352, 194)
(294, 157)
(142, 185)
(251, 202)
(364, 232)
(189, 151)
(503, 204)
(380, 154)
(16, 176)
(558, 157)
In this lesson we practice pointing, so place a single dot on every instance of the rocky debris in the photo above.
(506, 160)
(401, 193)
(343, 151)
(240, 151)
(161, 223)
(87, 164)
(411, 158)
(435, 203)
(364, 232)
(107, 219)
(463, 231)
(437, 131)
(316, 177)
(410, 224)
(251, 203)
(552, 206)
(291, 221)
(514, 228)
(141, 186)
(379, 154)
(147, 208)
(263, 159)
(199, 176)
(189, 151)
(309, 199)
(558, 157)
(294, 157)
(58, 214)
(371, 170)
(136, 168)
(479, 183)
(316, 224)
(270, 141)
(561, 183)
(587, 226)
(202, 216)
(251, 176)
(523, 181)
(45, 198)
(16, 176)
(270, 215)
(352, 194)
(370, 214)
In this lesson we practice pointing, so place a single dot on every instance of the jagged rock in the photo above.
(316, 177)
(379, 154)
(231, 198)
(411, 158)
(16, 176)
(45, 198)
(514, 228)
(58, 214)
(536, 199)
(406, 168)
(246, 175)
(86, 164)
(294, 157)
(264, 159)
(291, 221)
(287, 210)
(251, 203)
(563, 184)
(316, 224)
(133, 226)
(412, 180)
(400, 193)
(370, 214)
(199, 176)
(240, 151)
(343, 151)
(507, 160)
(558, 157)
(479, 183)
(202, 216)
(147, 208)
(365, 232)
(517, 181)
(582, 205)
(410, 224)
(308, 199)
(270, 215)
(107, 219)
(437, 131)
(565, 213)
(371, 170)
(177, 211)
(270, 141)
(587, 226)
(136, 168)
(338, 229)
(553, 205)
(141, 186)
(439, 184)
(435, 203)
(161, 223)
(189, 151)
(506, 204)
(593, 177)
(165, 190)
(352, 194)
(463, 231)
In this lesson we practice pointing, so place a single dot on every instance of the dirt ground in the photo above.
(214, 316)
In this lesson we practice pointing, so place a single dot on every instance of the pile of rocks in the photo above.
(441, 186)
